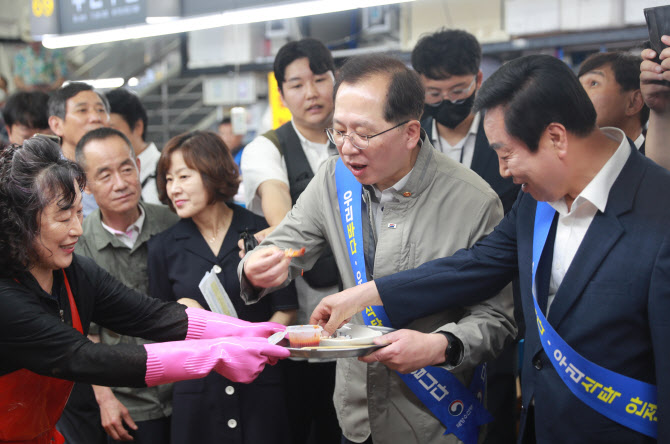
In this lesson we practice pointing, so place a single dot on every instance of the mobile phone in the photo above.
(249, 239)
(658, 25)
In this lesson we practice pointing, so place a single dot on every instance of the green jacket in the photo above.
(130, 267)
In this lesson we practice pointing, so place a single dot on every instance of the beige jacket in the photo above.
(442, 208)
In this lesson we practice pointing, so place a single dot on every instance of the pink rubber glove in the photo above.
(238, 359)
(203, 324)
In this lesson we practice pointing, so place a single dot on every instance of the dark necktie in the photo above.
(543, 274)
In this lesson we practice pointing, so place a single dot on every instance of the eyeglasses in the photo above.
(455, 96)
(357, 140)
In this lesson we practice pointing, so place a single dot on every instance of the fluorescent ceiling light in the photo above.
(234, 17)
(110, 83)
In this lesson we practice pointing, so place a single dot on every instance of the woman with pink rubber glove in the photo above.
(49, 296)
(197, 178)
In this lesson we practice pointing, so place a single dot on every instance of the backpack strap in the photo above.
(324, 273)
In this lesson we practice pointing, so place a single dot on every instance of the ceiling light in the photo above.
(233, 17)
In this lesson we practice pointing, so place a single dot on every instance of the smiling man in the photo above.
(416, 204)
(74, 110)
(115, 236)
(589, 238)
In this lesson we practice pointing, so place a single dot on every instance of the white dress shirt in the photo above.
(573, 224)
(148, 162)
(261, 161)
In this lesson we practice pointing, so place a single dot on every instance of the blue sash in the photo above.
(459, 409)
(625, 400)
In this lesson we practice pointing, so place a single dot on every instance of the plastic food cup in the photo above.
(304, 335)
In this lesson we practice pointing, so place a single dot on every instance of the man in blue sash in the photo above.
(448, 62)
(589, 237)
(415, 205)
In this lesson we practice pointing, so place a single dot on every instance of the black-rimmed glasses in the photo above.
(455, 96)
(359, 141)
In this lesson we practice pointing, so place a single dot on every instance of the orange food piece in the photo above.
(295, 253)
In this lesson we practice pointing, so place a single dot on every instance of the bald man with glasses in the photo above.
(390, 202)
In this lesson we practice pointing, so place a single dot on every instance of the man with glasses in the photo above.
(415, 204)
(448, 63)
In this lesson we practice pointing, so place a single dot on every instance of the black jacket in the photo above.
(36, 330)
(202, 409)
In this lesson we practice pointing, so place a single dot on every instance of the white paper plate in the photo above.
(360, 335)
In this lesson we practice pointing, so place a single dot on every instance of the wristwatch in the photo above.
(454, 351)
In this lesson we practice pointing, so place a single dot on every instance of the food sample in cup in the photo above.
(304, 335)
(294, 253)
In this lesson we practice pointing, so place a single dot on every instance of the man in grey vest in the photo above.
(276, 168)
(116, 236)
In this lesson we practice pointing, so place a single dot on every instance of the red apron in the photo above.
(31, 404)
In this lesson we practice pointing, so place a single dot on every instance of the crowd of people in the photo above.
(489, 222)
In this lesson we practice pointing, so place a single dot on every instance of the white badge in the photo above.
(214, 293)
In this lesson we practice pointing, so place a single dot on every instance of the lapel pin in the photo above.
(392, 225)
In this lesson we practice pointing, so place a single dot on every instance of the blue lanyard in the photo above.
(625, 400)
(458, 408)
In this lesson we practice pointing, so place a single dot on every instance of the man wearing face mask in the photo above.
(448, 63)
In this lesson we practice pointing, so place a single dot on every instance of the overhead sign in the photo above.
(43, 17)
(190, 7)
(87, 15)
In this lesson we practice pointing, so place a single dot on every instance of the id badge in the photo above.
(214, 293)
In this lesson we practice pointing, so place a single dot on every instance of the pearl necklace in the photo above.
(213, 238)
